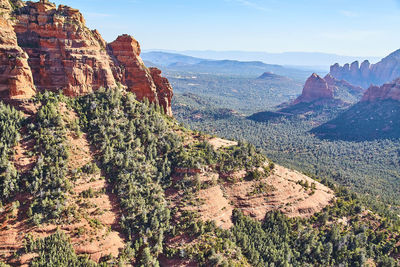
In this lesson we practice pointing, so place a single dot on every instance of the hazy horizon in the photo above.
(357, 28)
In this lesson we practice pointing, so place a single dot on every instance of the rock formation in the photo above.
(328, 88)
(367, 74)
(316, 88)
(164, 90)
(134, 74)
(386, 91)
(45, 47)
(15, 75)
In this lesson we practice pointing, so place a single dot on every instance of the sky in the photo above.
(344, 27)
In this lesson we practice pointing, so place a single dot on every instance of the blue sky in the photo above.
(346, 27)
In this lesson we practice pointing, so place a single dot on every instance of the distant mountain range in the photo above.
(178, 62)
(303, 60)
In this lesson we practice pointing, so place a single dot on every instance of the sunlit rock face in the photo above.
(45, 47)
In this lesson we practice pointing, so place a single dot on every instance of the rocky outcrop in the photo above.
(328, 88)
(15, 74)
(63, 53)
(164, 90)
(385, 92)
(50, 48)
(344, 90)
(132, 72)
(316, 88)
(367, 74)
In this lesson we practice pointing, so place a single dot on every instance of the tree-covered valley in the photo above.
(105, 161)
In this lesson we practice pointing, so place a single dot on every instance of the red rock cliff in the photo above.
(54, 50)
(164, 90)
(316, 88)
(386, 91)
(15, 74)
(132, 72)
(63, 53)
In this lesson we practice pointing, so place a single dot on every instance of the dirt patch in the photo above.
(216, 207)
(218, 143)
(283, 190)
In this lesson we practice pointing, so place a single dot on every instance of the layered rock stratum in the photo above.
(45, 47)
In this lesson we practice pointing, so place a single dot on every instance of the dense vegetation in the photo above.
(318, 111)
(10, 123)
(47, 182)
(246, 95)
(138, 151)
(280, 241)
(364, 121)
(57, 251)
(368, 167)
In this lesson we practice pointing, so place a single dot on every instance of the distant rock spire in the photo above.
(316, 88)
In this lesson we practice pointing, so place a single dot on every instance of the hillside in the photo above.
(147, 179)
(376, 116)
(370, 168)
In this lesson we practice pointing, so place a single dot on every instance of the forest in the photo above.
(368, 167)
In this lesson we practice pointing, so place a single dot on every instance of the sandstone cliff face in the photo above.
(63, 53)
(386, 91)
(164, 90)
(329, 88)
(316, 88)
(50, 48)
(366, 74)
(15, 75)
(133, 73)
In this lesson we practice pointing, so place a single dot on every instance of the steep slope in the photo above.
(368, 74)
(376, 116)
(93, 227)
